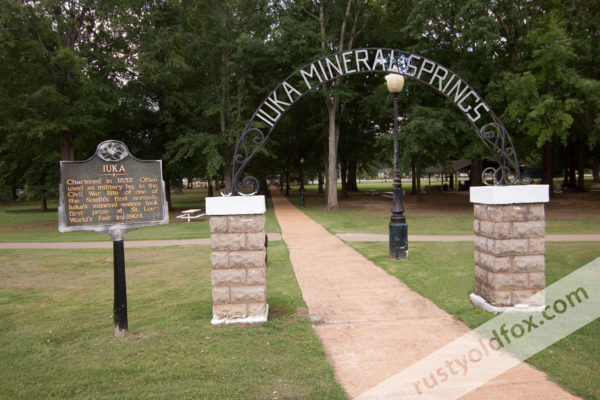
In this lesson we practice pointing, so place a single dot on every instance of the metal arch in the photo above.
(493, 133)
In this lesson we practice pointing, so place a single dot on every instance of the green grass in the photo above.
(356, 215)
(357, 220)
(24, 222)
(56, 331)
(443, 272)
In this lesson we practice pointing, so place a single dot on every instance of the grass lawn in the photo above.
(24, 222)
(443, 272)
(56, 331)
(440, 213)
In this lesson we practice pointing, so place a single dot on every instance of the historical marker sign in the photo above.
(111, 190)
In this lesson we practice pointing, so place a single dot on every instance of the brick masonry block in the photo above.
(256, 276)
(255, 241)
(219, 259)
(476, 223)
(228, 311)
(257, 309)
(535, 263)
(218, 224)
(528, 229)
(524, 212)
(499, 297)
(508, 247)
(515, 213)
(507, 281)
(479, 212)
(537, 246)
(522, 296)
(481, 243)
(227, 241)
(484, 290)
(220, 294)
(248, 294)
(536, 212)
(495, 230)
(228, 277)
(480, 274)
(493, 263)
(537, 280)
(246, 223)
(247, 259)
(485, 212)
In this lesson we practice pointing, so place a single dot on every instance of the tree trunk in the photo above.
(320, 181)
(210, 188)
(418, 174)
(565, 182)
(572, 184)
(67, 146)
(548, 166)
(332, 195)
(287, 184)
(451, 176)
(413, 173)
(476, 171)
(227, 171)
(352, 173)
(596, 171)
(344, 173)
(44, 205)
(580, 165)
(168, 195)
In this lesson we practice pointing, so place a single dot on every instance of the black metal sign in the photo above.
(112, 192)
(382, 61)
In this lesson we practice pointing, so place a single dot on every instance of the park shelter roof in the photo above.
(453, 165)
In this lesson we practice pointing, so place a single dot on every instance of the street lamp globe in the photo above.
(394, 82)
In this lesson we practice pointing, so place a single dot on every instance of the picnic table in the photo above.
(191, 214)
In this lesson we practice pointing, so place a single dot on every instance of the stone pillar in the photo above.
(509, 247)
(238, 258)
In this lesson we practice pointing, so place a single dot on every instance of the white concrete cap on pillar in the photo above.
(235, 205)
(515, 194)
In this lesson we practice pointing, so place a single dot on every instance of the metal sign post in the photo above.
(120, 304)
(112, 192)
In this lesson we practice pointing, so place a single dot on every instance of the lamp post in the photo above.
(301, 181)
(398, 239)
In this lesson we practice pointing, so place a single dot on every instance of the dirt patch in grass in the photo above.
(561, 205)
(24, 227)
(574, 205)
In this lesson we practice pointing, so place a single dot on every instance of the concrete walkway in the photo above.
(372, 325)
(346, 237)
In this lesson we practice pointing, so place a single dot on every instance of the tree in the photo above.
(548, 92)
(339, 23)
(60, 63)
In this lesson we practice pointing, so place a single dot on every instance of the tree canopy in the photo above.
(178, 80)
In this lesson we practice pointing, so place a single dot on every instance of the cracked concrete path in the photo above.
(372, 325)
